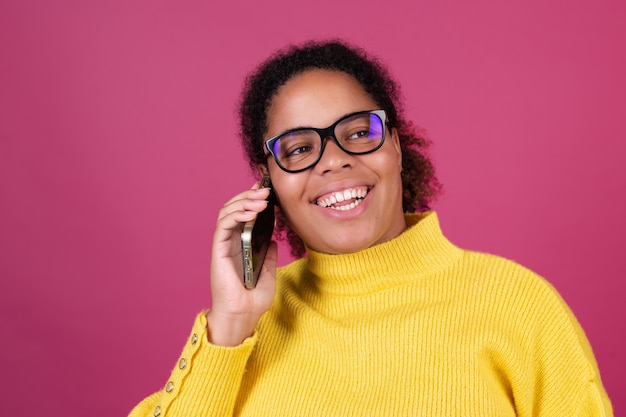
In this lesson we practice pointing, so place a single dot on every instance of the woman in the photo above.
(384, 316)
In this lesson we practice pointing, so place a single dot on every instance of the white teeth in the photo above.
(341, 196)
(347, 206)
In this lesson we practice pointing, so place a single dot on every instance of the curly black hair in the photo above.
(419, 183)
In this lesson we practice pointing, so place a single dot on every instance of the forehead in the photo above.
(316, 98)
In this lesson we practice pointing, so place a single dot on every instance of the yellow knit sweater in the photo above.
(411, 327)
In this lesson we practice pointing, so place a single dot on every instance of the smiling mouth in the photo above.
(343, 200)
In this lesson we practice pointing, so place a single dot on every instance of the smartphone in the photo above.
(255, 239)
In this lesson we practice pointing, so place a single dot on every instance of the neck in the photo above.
(418, 250)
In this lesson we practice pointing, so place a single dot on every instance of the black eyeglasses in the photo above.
(299, 149)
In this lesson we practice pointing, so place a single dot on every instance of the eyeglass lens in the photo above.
(298, 149)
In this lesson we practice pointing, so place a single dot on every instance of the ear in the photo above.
(395, 139)
(262, 169)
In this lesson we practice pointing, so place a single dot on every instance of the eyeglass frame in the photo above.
(324, 134)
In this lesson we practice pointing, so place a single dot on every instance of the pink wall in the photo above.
(117, 148)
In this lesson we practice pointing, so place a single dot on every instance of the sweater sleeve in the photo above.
(565, 377)
(205, 380)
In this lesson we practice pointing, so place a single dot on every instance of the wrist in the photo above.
(227, 330)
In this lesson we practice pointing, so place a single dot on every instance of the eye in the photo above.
(360, 129)
(359, 135)
(297, 150)
(298, 144)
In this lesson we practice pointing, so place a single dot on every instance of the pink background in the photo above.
(117, 148)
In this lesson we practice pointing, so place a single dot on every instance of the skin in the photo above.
(315, 98)
(318, 98)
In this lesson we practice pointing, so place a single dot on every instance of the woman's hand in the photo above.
(236, 310)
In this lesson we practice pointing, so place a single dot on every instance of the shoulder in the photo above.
(502, 286)
(510, 289)
(501, 272)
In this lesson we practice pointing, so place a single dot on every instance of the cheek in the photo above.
(288, 189)
(388, 163)
(293, 215)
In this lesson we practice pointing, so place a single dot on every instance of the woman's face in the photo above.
(318, 98)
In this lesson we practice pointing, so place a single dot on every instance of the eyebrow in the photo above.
(325, 127)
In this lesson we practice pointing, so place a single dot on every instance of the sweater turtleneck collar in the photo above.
(421, 249)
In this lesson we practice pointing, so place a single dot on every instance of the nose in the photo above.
(333, 157)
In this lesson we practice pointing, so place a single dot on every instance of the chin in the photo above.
(351, 245)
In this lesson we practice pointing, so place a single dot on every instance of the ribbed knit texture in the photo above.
(411, 327)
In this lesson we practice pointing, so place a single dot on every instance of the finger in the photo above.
(243, 205)
(254, 193)
(240, 211)
(232, 223)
